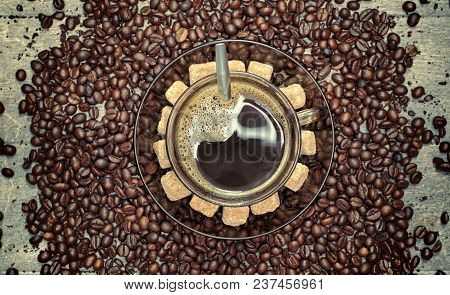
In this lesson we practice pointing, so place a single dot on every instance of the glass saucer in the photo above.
(286, 71)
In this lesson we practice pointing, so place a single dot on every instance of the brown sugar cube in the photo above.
(206, 208)
(199, 71)
(236, 66)
(268, 205)
(296, 95)
(174, 189)
(260, 69)
(308, 143)
(175, 91)
(160, 149)
(162, 125)
(235, 216)
(298, 177)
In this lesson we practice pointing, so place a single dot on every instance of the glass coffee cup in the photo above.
(231, 166)
(286, 71)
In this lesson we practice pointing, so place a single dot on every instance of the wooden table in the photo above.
(21, 39)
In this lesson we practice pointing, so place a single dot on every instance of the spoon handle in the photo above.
(223, 72)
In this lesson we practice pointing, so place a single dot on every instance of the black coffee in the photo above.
(234, 145)
(249, 157)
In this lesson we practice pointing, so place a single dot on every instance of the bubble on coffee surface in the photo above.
(209, 120)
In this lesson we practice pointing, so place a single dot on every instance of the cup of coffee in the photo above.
(234, 153)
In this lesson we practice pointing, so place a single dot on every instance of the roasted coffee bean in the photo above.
(21, 75)
(443, 166)
(9, 150)
(59, 15)
(430, 237)
(2, 108)
(444, 217)
(1, 216)
(47, 21)
(444, 147)
(415, 177)
(12, 271)
(8, 173)
(409, 6)
(437, 247)
(420, 232)
(72, 22)
(426, 253)
(413, 19)
(58, 4)
(439, 122)
(418, 92)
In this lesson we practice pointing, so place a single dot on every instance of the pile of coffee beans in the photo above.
(93, 212)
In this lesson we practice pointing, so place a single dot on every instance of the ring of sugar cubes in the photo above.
(175, 189)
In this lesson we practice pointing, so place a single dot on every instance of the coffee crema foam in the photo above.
(204, 117)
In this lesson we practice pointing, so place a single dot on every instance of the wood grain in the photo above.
(18, 47)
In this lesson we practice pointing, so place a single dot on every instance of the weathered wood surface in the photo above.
(18, 47)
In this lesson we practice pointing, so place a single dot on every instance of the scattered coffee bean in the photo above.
(418, 92)
(59, 15)
(444, 217)
(443, 166)
(58, 4)
(9, 150)
(430, 237)
(444, 147)
(1, 216)
(8, 173)
(2, 108)
(426, 253)
(21, 75)
(46, 21)
(439, 122)
(413, 19)
(409, 6)
(12, 271)
(437, 247)
(72, 22)
(440, 272)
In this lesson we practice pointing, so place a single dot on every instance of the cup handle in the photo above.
(312, 115)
